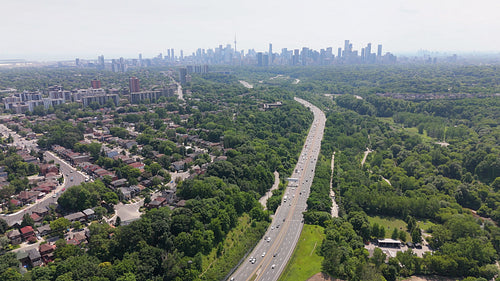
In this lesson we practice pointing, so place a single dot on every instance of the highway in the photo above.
(271, 255)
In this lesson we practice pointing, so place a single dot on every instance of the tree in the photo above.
(118, 221)
(100, 212)
(395, 234)
(147, 199)
(154, 168)
(3, 226)
(27, 220)
(359, 221)
(416, 235)
(11, 274)
(402, 235)
(375, 230)
(7, 261)
(378, 257)
(60, 225)
(4, 242)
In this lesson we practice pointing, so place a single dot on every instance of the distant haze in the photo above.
(65, 29)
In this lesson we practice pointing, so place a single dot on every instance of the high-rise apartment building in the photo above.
(368, 51)
(259, 59)
(379, 51)
(182, 75)
(96, 84)
(134, 85)
(270, 53)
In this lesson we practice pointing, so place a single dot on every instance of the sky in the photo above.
(67, 29)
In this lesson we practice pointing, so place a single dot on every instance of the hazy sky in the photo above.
(65, 29)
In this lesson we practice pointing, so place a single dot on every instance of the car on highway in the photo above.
(273, 266)
(263, 254)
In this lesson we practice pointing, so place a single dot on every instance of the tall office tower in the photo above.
(265, 60)
(182, 75)
(172, 55)
(77, 61)
(296, 57)
(270, 53)
(304, 55)
(133, 84)
(368, 51)
(182, 54)
(259, 59)
(100, 61)
(96, 84)
(168, 54)
(339, 53)
(363, 54)
(379, 51)
(346, 48)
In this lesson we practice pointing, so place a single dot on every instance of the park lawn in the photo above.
(389, 223)
(425, 225)
(305, 261)
(411, 130)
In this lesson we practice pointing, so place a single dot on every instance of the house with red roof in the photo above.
(27, 232)
(36, 218)
(137, 165)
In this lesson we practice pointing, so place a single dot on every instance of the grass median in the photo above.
(305, 261)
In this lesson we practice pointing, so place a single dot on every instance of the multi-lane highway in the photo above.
(270, 256)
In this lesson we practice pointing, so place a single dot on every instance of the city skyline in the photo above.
(60, 30)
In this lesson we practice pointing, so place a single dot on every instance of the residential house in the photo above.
(178, 165)
(47, 252)
(27, 232)
(158, 202)
(35, 257)
(36, 218)
(169, 195)
(48, 168)
(42, 211)
(23, 258)
(118, 183)
(78, 216)
(14, 237)
(27, 197)
(129, 192)
(44, 230)
(89, 214)
(124, 158)
(111, 153)
(137, 165)
(77, 239)
(15, 202)
(129, 144)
